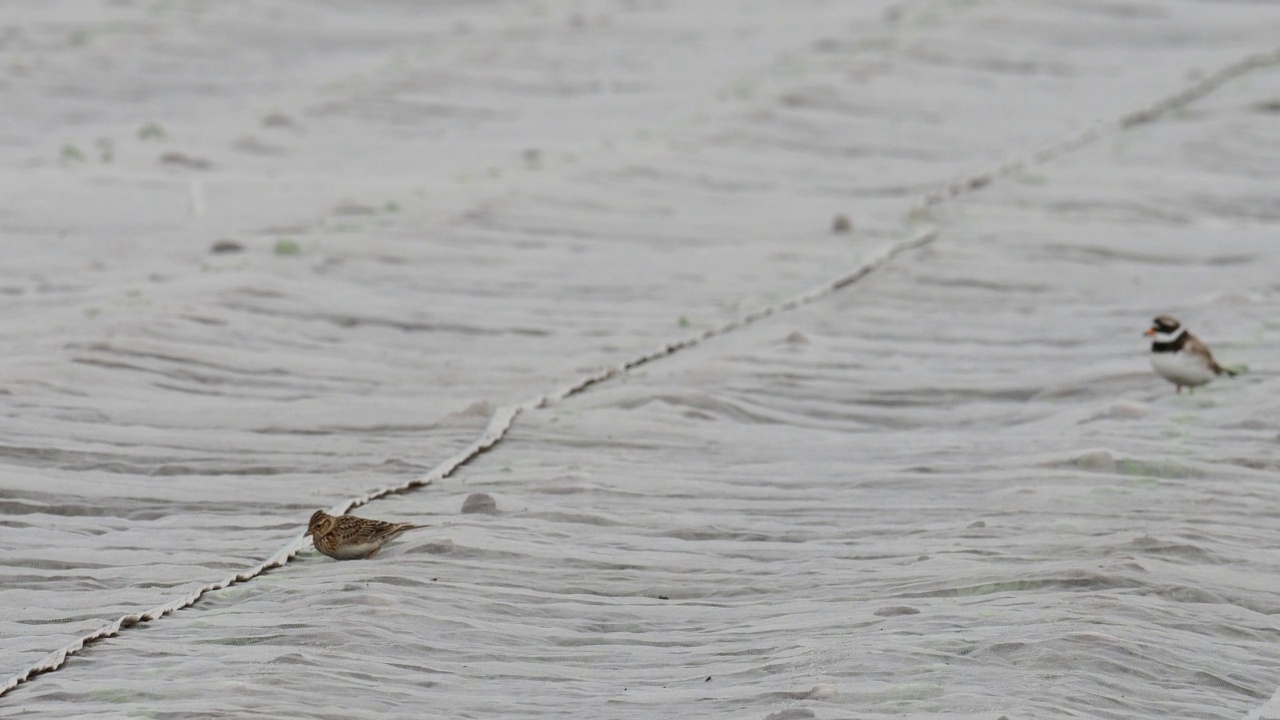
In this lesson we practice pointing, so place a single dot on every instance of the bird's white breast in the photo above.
(1182, 368)
(354, 551)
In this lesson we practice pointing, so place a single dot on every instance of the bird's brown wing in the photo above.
(357, 530)
(1200, 350)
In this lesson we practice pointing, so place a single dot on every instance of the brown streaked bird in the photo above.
(346, 537)
(1180, 357)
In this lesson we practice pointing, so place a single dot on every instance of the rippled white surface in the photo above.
(954, 489)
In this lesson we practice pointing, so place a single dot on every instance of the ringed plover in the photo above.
(1180, 357)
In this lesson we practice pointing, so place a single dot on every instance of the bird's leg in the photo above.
(1179, 389)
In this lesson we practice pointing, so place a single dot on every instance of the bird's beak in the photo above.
(1150, 332)
(307, 533)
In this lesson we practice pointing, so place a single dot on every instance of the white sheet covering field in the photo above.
(261, 257)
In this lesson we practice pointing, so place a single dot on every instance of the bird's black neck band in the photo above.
(1173, 345)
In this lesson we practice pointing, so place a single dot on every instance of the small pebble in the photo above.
(896, 610)
(841, 224)
(792, 714)
(482, 503)
(436, 547)
(278, 120)
(187, 161)
(226, 246)
(1097, 461)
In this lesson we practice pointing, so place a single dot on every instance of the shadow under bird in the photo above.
(346, 537)
(1180, 357)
